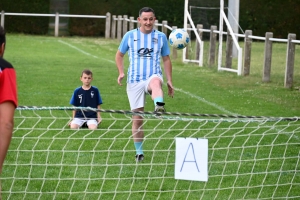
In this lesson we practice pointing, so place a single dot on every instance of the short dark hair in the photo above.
(2, 35)
(87, 72)
(146, 9)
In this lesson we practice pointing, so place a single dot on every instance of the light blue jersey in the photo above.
(144, 51)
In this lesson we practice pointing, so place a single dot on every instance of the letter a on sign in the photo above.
(191, 159)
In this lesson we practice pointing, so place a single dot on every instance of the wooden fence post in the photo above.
(119, 27)
(187, 47)
(155, 24)
(163, 28)
(174, 50)
(131, 24)
(247, 52)
(200, 32)
(107, 25)
(2, 18)
(212, 46)
(113, 27)
(290, 60)
(267, 58)
(229, 47)
(125, 24)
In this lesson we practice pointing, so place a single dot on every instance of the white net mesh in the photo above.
(249, 158)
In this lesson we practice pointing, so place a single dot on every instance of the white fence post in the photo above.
(113, 27)
(290, 60)
(107, 25)
(119, 27)
(200, 33)
(163, 28)
(174, 50)
(267, 58)
(155, 25)
(2, 18)
(125, 24)
(131, 24)
(247, 52)
(212, 46)
(56, 24)
(229, 50)
(188, 26)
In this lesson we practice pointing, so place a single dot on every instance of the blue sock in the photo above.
(139, 147)
(158, 99)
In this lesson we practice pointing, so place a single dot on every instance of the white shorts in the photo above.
(136, 92)
(80, 122)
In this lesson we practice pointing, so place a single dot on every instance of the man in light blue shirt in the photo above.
(145, 47)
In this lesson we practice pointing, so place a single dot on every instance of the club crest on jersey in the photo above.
(154, 40)
(92, 94)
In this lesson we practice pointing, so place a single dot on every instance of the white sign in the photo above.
(191, 159)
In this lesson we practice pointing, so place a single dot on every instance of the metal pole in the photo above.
(220, 34)
(186, 2)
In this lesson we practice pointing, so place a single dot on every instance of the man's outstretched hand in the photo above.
(170, 89)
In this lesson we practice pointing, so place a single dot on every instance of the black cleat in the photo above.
(139, 157)
(160, 107)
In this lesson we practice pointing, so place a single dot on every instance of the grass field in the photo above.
(48, 70)
(246, 160)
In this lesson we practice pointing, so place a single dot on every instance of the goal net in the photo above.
(248, 157)
(210, 27)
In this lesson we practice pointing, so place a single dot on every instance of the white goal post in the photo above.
(223, 17)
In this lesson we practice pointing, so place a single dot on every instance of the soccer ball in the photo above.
(179, 38)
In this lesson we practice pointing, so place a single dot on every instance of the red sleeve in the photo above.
(8, 86)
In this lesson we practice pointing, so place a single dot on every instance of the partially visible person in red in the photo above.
(8, 101)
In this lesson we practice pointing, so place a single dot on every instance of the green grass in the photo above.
(48, 71)
(46, 160)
